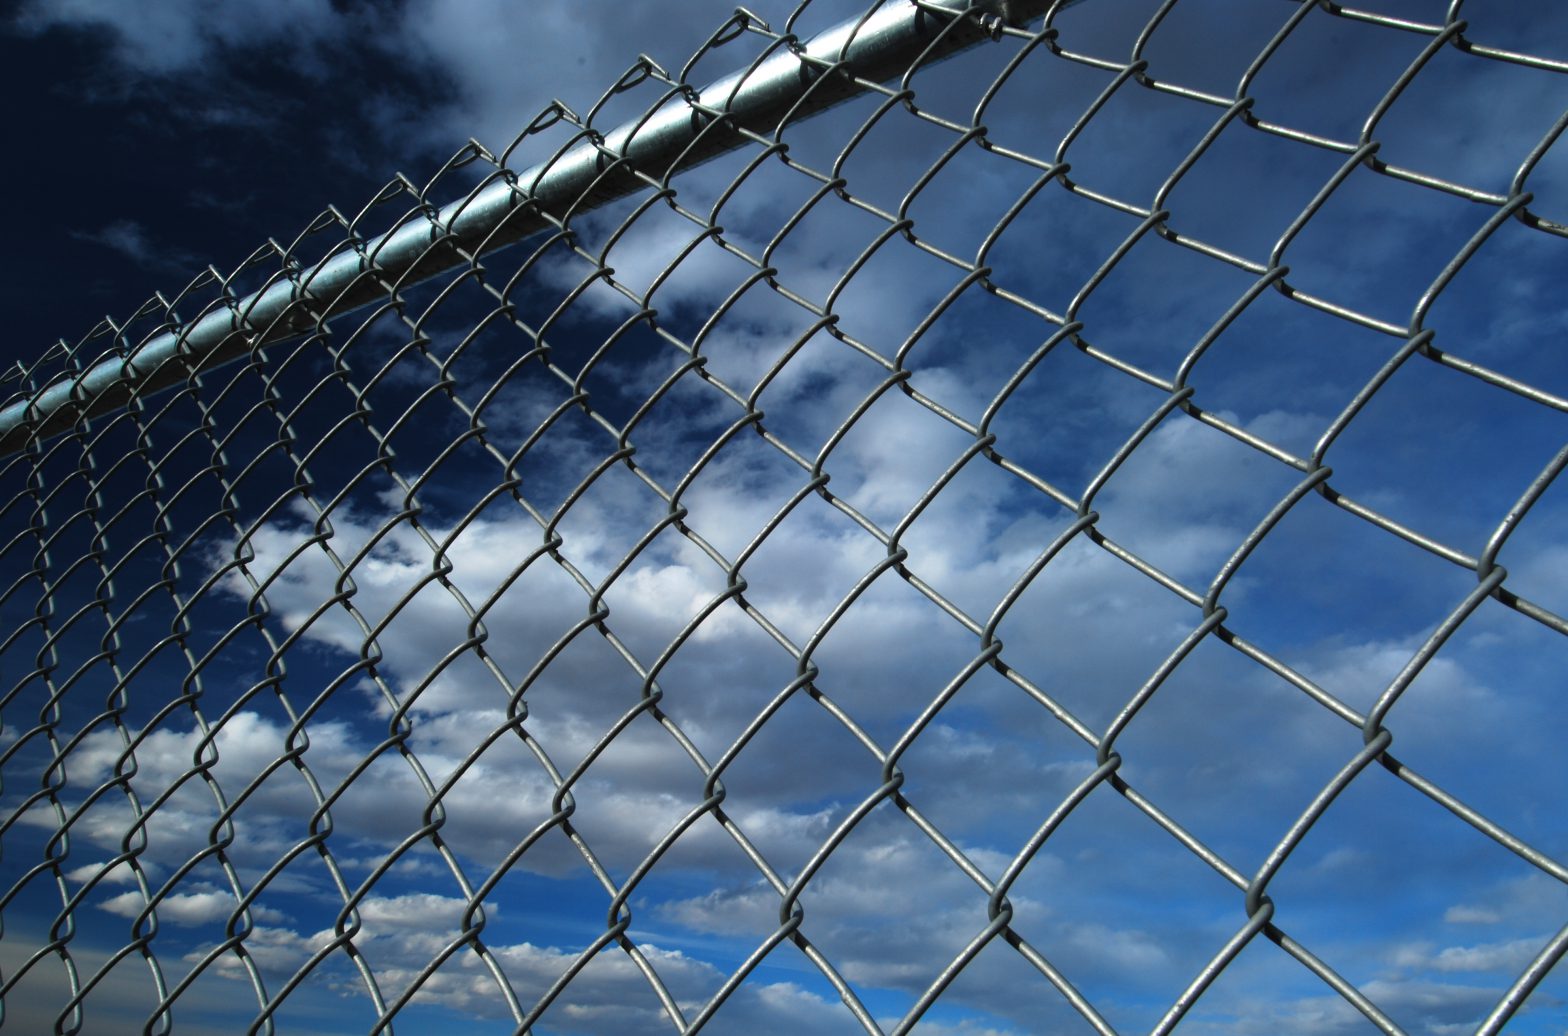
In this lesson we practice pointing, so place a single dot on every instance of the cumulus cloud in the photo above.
(199, 907)
(276, 951)
(610, 992)
(119, 874)
(1510, 956)
(496, 52)
(642, 784)
(169, 38)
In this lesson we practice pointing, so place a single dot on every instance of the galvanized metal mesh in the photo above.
(631, 516)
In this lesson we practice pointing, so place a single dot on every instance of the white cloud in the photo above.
(119, 874)
(786, 794)
(610, 994)
(1510, 956)
(202, 906)
(495, 52)
(414, 911)
(174, 36)
(889, 643)
(1461, 914)
(887, 871)
(1360, 673)
(966, 1027)
(277, 952)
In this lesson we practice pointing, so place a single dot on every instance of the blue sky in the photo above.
(169, 141)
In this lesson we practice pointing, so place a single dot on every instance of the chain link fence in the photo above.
(869, 545)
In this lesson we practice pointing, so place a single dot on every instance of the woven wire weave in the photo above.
(708, 535)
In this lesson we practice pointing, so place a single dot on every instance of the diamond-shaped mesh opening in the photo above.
(1333, 256)
(1099, 902)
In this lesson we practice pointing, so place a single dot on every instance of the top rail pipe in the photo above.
(879, 48)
